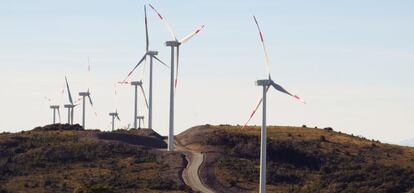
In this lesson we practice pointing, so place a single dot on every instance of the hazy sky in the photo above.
(352, 61)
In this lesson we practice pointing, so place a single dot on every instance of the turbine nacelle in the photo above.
(152, 53)
(264, 82)
(113, 114)
(69, 106)
(136, 83)
(84, 94)
(54, 106)
(173, 43)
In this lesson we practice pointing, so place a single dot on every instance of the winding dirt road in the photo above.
(191, 172)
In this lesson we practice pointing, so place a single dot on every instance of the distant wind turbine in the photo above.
(175, 45)
(71, 105)
(113, 115)
(55, 108)
(266, 84)
(140, 118)
(84, 95)
(137, 84)
(152, 55)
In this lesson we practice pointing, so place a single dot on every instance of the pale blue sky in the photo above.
(351, 60)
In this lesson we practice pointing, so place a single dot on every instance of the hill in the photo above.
(65, 158)
(300, 159)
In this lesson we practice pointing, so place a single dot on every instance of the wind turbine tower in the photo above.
(263, 135)
(174, 45)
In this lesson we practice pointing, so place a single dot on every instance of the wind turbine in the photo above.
(140, 118)
(152, 55)
(175, 45)
(84, 95)
(70, 106)
(113, 115)
(55, 108)
(266, 84)
(137, 84)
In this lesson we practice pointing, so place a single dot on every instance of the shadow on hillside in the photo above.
(134, 139)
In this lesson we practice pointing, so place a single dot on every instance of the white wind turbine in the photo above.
(137, 84)
(71, 105)
(54, 109)
(113, 115)
(266, 84)
(84, 95)
(140, 119)
(151, 55)
(175, 45)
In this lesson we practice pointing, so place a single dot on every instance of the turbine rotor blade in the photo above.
(145, 96)
(165, 22)
(264, 47)
(90, 100)
(254, 110)
(281, 89)
(69, 94)
(117, 116)
(136, 66)
(191, 35)
(161, 62)
(146, 29)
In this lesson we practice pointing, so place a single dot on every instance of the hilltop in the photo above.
(300, 159)
(65, 158)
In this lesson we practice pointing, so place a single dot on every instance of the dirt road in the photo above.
(190, 173)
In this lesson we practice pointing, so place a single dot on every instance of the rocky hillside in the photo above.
(301, 160)
(64, 158)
